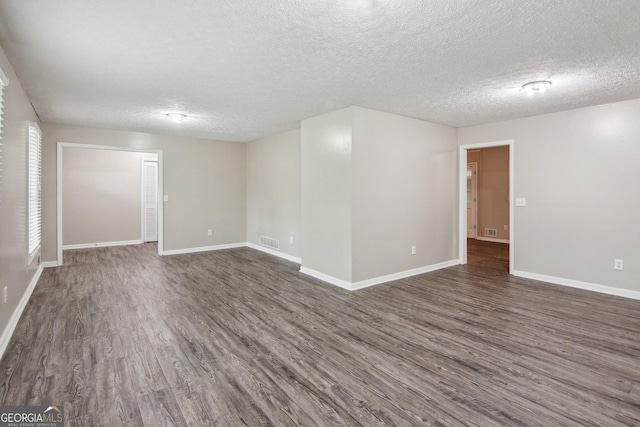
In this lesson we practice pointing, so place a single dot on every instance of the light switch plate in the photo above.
(166, 198)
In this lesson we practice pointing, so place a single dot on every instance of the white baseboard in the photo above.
(204, 249)
(377, 280)
(326, 278)
(47, 264)
(609, 290)
(274, 253)
(492, 239)
(402, 274)
(101, 244)
(13, 321)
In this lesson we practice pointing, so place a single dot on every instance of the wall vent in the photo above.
(490, 232)
(270, 242)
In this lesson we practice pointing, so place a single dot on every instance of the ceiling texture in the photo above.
(246, 69)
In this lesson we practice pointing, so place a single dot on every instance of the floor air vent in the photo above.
(270, 242)
(490, 232)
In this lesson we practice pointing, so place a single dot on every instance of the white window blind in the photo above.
(4, 81)
(35, 190)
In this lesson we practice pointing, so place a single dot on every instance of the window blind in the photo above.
(35, 190)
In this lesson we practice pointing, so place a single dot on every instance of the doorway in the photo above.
(463, 211)
(146, 154)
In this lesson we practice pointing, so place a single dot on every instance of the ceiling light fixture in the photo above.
(536, 87)
(176, 117)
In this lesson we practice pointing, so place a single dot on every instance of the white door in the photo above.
(150, 201)
(472, 200)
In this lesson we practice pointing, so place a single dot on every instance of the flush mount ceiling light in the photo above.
(536, 87)
(176, 117)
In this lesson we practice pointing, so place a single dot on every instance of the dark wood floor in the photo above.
(120, 336)
(488, 255)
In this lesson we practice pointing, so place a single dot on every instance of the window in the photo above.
(35, 191)
(4, 81)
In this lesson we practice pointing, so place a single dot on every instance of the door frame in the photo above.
(59, 189)
(462, 198)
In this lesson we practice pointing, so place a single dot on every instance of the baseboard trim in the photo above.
(203, 249)
(13, 321)
(274, 253)
(377, 280)
(594, 287)
(403, 274)
(48, 264)
(492, 239)
(326, 278)
(101, 244)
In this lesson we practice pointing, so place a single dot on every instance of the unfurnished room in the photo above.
(320, 213)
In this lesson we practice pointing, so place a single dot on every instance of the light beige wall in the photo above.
(273, 190)
(101, 197)
(326, 194)
(15, 274)
(404, 193)
(204, 179)
(493, 190)
(578, 172)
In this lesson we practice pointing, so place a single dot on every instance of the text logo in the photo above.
(31, 416)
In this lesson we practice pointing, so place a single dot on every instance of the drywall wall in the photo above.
(15, 272)
(326, 194)
(493, 190)
(404, 193)
(101, 196)
(273, 191)
(578, 173)
(204, 179)
(374, 185)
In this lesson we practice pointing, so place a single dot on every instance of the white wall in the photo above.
(204, 179)
(373, 185)
(578, 171)
(326, 194)
(273, 190)
(404, 193)
(15, 272)
(102, 196)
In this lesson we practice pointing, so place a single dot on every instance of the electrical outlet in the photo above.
(5, 294)
(291, 239)
(506, 228)
(618, 264)
(413, 250)
(209, 232)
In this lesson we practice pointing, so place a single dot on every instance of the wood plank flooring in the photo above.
(121, 336)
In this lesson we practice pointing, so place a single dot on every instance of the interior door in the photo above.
(472, 200)
(150, 201)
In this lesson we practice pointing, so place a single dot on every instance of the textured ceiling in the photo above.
(246, 69)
